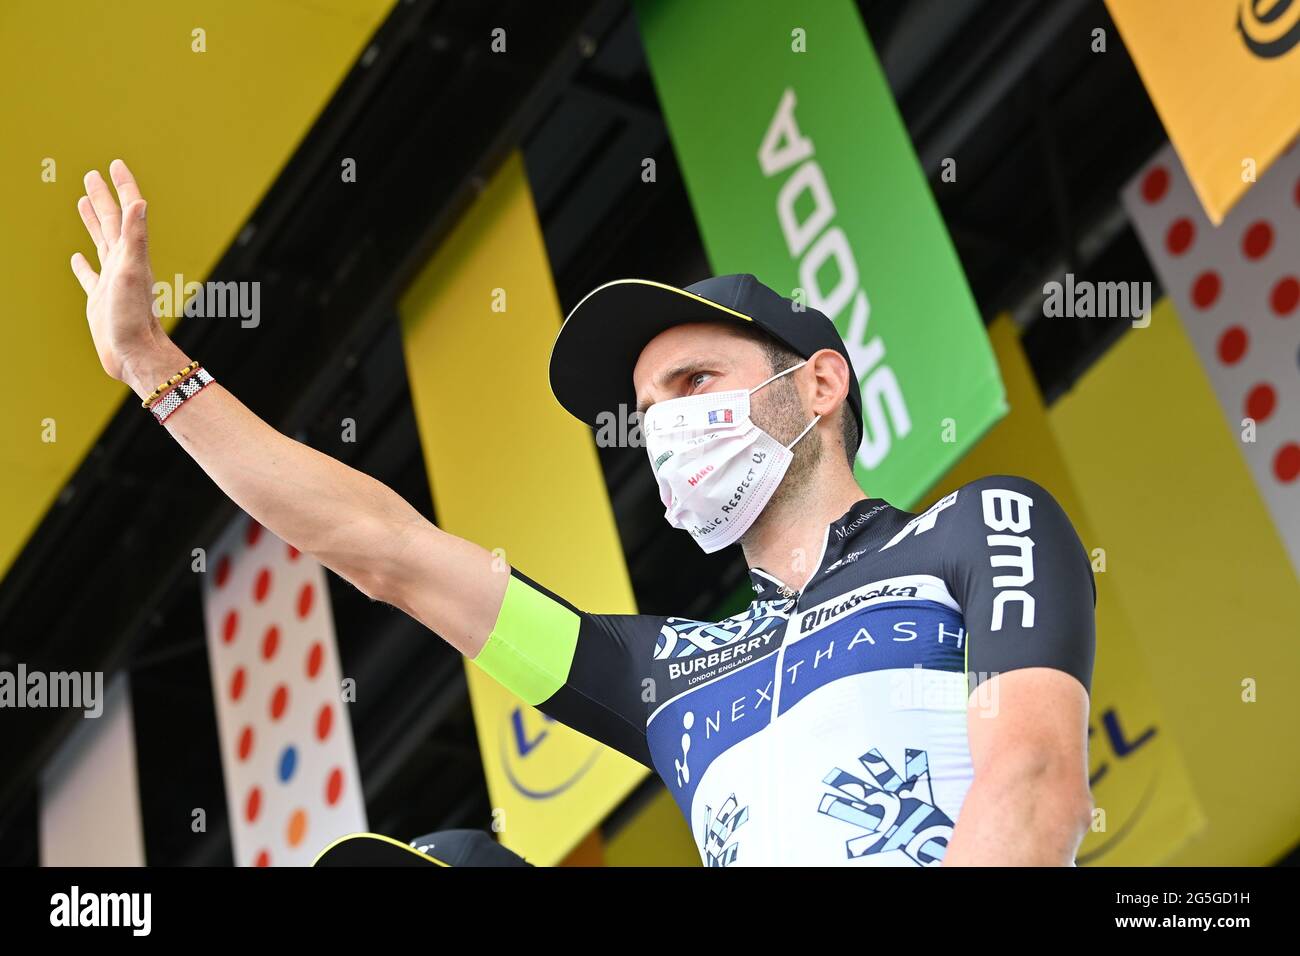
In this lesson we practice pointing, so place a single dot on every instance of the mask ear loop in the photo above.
(778, 375)
(816, 419)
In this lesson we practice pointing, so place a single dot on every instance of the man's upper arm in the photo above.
(1030, 799)
(1022, 577)
(582, 669)
(1017, 568)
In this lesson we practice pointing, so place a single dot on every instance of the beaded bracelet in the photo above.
(184, 390)
(187, 370)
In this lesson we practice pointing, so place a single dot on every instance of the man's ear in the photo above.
(831, 375)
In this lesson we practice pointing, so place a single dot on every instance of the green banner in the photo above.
(801, 172)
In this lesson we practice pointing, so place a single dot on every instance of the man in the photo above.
(903, 690)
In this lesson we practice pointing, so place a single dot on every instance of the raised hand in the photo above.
(119, 297)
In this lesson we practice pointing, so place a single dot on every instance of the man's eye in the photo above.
(698, 379)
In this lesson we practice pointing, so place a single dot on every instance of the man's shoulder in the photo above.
(992, 500)
(964, 516)
(1004, 482)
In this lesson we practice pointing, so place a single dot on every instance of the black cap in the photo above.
(602, 338)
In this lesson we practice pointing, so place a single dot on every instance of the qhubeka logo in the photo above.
(820, 617)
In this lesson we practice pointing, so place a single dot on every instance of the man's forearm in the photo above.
(342, 517)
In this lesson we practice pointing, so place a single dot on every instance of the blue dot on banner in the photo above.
(288, 763)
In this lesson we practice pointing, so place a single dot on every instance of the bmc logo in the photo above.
(1008, 511)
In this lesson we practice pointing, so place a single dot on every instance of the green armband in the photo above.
(531, 646)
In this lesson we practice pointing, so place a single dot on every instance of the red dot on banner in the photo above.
(237, 684)
(223, 570)
(279, 702)
(293, 553)
(1260, 402)
(324, 722)
(253, 805)
(270, 642)
(1179, 237)
(1257, 240)
(253, 533)
(263, 859)
(1286, 463)
(262, 585)
(1205, 290)
(315, 657)
(305, 597)
(1155, 184)
(245, 743)
(229, 626)
(1232, 345)
(1297, 192)
(1285, 295)
(334, 787)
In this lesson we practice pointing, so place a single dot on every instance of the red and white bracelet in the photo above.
(182, 391)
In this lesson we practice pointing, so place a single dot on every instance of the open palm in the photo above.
(118, 296)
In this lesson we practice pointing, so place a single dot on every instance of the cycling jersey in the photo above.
(825, 726)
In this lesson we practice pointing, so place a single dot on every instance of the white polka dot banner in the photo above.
(291, 777)
(1237, 290)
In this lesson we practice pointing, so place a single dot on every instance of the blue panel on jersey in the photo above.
(899, 635)
(689, 733)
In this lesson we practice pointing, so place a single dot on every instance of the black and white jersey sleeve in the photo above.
(1014, 563)
(585, 670)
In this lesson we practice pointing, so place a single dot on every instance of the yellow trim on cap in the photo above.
(660, 285)
(378, 836)
(555, 343)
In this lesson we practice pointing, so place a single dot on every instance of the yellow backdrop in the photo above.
(510, 469)
(1224, 81)
(1203, 577)
(1139, 782)
(85, 82)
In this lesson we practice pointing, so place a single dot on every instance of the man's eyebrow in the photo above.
(665, 379)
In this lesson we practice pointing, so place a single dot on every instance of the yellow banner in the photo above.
(510, 469)
(1140, 786)
(183, 99)
(1224, 76)
(653, 837)
(1204, 579)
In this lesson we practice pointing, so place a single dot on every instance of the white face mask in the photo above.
(715, 468)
